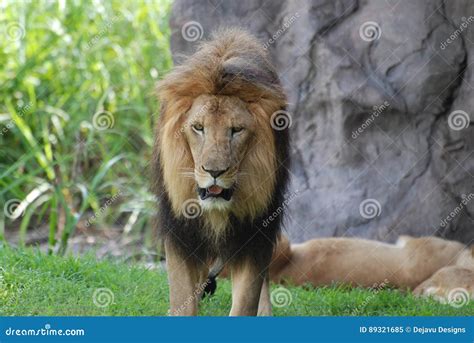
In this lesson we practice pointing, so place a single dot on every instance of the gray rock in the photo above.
(371, 86)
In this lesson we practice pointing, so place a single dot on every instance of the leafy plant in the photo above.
(76, 113)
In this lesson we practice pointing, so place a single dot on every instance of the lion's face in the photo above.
(215, 141)
(219, 130)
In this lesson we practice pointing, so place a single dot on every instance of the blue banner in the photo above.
(219, 329)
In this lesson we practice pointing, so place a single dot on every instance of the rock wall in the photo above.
(382, 107)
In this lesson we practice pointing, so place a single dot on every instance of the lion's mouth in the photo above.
(215, 191)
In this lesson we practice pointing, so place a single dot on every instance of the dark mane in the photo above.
(233, 63)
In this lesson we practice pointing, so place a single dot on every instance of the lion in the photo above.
(453, 283)
(447, 284)
(220, 168)
(362, 262)
(430, 266)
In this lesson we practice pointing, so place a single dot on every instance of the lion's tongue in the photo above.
(214, 189)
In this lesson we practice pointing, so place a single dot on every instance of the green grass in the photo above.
(61, 63)
(76, 112)
(32, 283)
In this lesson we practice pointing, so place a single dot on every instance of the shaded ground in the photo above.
(103, 242)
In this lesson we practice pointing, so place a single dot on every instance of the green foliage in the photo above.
(32, 283)
(76, 112)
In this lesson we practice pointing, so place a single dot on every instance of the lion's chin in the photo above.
(215, 204)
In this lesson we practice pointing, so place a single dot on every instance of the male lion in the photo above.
(220, 169)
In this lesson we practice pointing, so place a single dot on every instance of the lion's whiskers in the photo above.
(189, 175)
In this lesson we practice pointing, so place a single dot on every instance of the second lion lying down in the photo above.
(427, 265)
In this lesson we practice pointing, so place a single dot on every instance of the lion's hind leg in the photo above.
(449, 284)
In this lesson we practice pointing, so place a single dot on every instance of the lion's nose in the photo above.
(215, 173)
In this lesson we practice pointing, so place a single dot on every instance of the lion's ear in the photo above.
(174, 111)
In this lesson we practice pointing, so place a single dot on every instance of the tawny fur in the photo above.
(227, 86)
(203, 74)
(449, 280)
(451, 283)
(361, 262)
(426, 263)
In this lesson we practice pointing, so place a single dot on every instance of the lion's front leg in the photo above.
(265, 305)
(186, 281)
(247, 281)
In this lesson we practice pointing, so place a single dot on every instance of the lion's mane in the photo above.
(233, 63)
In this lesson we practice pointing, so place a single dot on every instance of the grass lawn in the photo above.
(34, 284)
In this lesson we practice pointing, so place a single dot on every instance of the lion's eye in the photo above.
(235, 130)
(198, 128)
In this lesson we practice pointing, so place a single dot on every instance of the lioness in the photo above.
(427, 265)
(220, 166)
(362, 262)
(454, 282)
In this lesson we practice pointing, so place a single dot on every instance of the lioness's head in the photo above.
(219, 131)
(215, 140)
